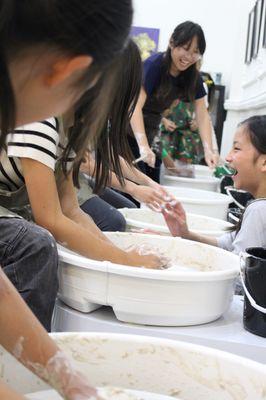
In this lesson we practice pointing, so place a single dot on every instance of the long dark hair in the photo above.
(97, 27)
(255, 128)
(183, 34)
(111, 141)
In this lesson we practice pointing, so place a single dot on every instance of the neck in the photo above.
(173, 70)
(260, 192)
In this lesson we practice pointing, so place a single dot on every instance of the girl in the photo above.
(59, 211)
(51, 53)
(169, 76)
(248, 158)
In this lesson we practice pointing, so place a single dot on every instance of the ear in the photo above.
(263, 163)
(171, 44)
(65, 68)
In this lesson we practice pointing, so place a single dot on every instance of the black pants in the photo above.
(103, 210)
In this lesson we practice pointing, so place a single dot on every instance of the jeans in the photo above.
(28, 256)
(105, 216)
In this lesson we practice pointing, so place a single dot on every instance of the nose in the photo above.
(229, 157)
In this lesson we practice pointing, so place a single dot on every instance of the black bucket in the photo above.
(253, 275)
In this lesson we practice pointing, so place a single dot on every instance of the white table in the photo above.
(226, 333)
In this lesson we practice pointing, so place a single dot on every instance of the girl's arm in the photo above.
(205, 131)
(138, 128)
(22, 335)
(175, 218)
(47, 211)
(146, 191)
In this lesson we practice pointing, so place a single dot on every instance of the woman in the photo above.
(51, 53)
(169, 76)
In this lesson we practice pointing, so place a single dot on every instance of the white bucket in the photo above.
(197, 291)
(202, 202)
(148, 219)
(182, 370)
(203, 179)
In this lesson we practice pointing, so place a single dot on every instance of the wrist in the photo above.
(130, 187)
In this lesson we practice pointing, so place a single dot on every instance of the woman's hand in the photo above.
(147, 155)
(169, 125)
(211, 158)
(147, 258)
(175, 218)
(193, 125)
(154, 198)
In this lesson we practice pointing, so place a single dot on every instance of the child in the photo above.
(51, 53)
(248, 158)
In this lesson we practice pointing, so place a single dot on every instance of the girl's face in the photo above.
(184, 56)
(245, 159)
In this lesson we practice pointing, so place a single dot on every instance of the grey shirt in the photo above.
(252, 232)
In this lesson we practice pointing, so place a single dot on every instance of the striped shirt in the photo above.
(38, 141)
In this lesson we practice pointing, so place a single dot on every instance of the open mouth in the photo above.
(230, 171)
(184, 63)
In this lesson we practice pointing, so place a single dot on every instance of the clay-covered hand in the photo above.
(175, 218)
(147, 155)
(147, 258)
(153, 197)
(66, 379)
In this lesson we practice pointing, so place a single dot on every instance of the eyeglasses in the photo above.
(192, 56)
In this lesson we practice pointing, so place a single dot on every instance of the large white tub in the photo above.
(170, 368)
(202, 202)
(203, 179)
(148, 219)
(198, 289)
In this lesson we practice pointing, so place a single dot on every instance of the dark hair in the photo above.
(183, 34)
(111, 140)
(97, 27)
(255, 127)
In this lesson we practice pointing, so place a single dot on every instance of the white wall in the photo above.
(248, 84)
(218, 19)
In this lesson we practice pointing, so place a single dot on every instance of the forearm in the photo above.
(201, 238)
(21, 334)
(205, 131)
(134, 174)
(83, 241)
(82, 219)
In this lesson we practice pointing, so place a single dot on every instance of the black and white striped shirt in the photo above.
(39, 141)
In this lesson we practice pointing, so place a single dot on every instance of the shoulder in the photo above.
(154, 61)
(256, 210)
(152, 72)
(38, 141)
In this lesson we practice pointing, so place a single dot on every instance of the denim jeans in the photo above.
(28, 256)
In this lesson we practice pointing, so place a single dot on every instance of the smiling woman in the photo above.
(168, 77)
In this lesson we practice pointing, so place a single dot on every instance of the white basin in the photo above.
(205, 183)
(170, 368)
(146, 218)
(202, 202)
(203, 179)
(196, 289)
